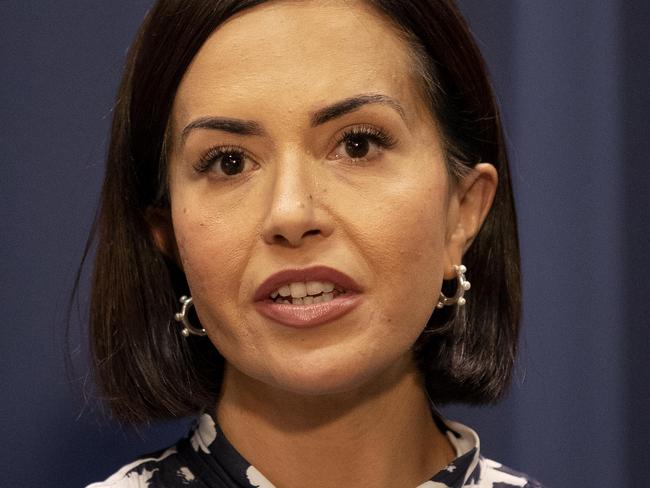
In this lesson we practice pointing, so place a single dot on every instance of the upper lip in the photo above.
(314, 273)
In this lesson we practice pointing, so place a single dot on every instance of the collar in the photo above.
(208, 442)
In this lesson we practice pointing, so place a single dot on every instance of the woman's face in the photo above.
(362, 190)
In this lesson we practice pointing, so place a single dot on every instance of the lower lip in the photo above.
(306, 316)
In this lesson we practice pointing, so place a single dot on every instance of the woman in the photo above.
(296, 196)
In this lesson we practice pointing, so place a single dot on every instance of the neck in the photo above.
(379, 435)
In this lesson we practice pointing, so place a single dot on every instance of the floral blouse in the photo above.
(205, 459)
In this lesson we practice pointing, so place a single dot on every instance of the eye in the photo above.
(362, 143)
(230, 161)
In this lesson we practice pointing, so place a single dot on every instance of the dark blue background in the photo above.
(572, 79)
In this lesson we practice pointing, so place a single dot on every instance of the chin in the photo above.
(316, 379)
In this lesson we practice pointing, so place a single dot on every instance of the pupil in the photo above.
(231, 163)
(357, 146)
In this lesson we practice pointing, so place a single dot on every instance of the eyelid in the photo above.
(370, 130)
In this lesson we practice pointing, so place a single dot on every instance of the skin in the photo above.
(342, 404)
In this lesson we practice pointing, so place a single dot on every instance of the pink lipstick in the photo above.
(346, 298)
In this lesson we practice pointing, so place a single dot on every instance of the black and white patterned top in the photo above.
(205, 459)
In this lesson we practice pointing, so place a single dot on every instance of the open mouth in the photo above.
(306, 292)
(321, 297)
(307, 297)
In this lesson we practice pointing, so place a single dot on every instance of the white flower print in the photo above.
(140, 479)
(128, 476)
(185, 474)
(490, 474)
(204, 435)
(255, 478)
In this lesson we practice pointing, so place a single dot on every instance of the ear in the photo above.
(162, 231)
(469, 204)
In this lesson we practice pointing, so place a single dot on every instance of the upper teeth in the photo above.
(302, 289)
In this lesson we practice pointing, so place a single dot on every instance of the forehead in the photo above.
(296, 55)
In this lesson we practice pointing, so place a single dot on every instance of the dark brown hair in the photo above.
(145, 368)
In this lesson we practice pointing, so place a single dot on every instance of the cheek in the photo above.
(211, 244)
(417, 226)
(403, 232)
(421, 252)
(394, 225)
(211, 257)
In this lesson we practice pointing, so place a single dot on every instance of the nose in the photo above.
(293, 213)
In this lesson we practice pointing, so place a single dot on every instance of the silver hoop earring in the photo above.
(184, 319)
(463, 286)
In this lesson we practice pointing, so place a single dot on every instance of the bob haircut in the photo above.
(145, 368)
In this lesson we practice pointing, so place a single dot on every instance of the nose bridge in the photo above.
(291, 211)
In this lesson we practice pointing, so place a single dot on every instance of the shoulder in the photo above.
(149, 471)
(491, 474)
(164, 468)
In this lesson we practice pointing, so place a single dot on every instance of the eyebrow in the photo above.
(226, 124)
(321, 116)
(354, 103)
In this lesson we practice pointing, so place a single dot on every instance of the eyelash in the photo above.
(377, 136)
(382, 139)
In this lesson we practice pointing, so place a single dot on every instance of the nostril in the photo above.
(285, 239)
(280, 239)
